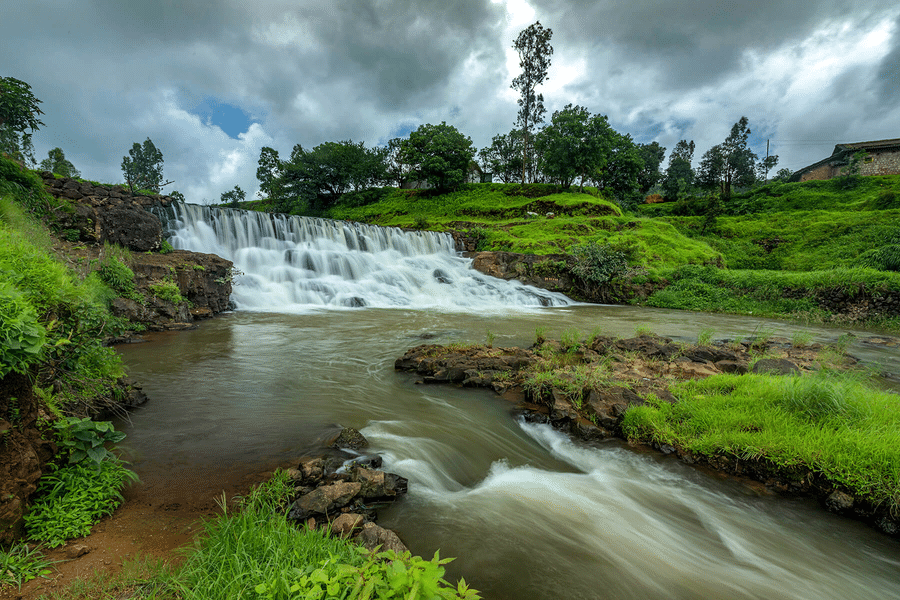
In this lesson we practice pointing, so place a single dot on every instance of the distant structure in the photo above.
(883, 158)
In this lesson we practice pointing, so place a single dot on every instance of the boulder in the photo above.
(350, 438)
(378, 484)
(324, 500)
(775, 366)
(607, 406)
(347, 524)
(372, 536)
(711, 354)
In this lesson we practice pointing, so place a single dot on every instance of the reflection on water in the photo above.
(528, 513)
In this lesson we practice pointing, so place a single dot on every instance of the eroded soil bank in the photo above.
(587, 388)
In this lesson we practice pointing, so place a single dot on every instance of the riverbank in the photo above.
(794, 416)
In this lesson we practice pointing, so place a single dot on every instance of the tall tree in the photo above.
(143, 168)
(534, 49)
(438, 154)
(679, 175)
(731, 163)
(56, 162)
(652, 155)
(574, 145)
(618, 173)
(764, 166)
(231, 198)
(397, 170)
(19, 112)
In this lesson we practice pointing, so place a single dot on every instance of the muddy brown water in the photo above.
(528, 512)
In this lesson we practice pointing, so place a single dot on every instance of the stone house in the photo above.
(883, 158)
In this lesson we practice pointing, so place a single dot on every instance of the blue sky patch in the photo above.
(229, 118)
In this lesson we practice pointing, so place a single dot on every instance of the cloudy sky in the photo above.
(212, 81)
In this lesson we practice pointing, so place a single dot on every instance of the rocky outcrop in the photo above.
(341, 493)
(23, 452)
(109, 214)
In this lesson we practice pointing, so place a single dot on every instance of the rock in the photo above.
(347, 524)
(561, 408)
(732, 366)
(372, 536)
(370, 461)
(646, 344)
(76, 550)
(607, 406)
(309, 471)
(378, 484)
(693, 370)
(711, 354)
(324, 500)
(775, 366)
(839, 502)
(350, 438)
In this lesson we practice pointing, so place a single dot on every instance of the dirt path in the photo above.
(157, 520)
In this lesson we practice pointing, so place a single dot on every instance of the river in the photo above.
(528, 512)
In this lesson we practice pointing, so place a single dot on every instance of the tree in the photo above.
(574, 145)
(619, 171)
(268, 172)
(231, 198)
(143, 168)
(396, 170)
(439, 155)
(783, 175)
(652, 156)
(56, 162)
(19, 112)
(534, 49)
(503, 157)
(679, 175)
(729, 164)
(764, 166)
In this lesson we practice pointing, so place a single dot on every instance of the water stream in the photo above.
(528, 512)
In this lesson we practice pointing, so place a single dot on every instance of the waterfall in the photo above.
(292, 264)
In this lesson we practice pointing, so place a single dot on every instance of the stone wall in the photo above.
(882, 163)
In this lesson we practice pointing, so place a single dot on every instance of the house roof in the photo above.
(842, 153)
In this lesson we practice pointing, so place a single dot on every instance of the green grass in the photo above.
(838, 426)
(20, 564)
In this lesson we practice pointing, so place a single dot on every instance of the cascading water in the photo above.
(291, 264)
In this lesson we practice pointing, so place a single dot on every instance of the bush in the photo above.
(114, 271)
(887, 200)
(22, 338)
(596, 264)
(167, 291)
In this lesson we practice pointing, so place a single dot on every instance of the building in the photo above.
(882, 158)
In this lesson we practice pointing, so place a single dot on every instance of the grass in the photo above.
(835, 425)
(20, 564)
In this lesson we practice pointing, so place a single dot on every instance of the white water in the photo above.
(293, 264)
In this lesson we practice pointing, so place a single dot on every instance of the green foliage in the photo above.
(167, 291)
(22, 337)
(834, 425)
(704, 338)
(597, 264)
(256, 553)
(86, 439)
(731, 163)
(887, 200)
(439, 155)
(143, 168)
(534, 50)
(27, 187)
(57, 163)
(20, 564)
(19, 112)
(115, 272)
(233, 198)
(72, 498)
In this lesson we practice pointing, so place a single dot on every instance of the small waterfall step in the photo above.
(292, 264)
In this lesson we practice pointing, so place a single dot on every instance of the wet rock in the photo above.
(711, 354)
(350, 438)
(775, 366)
(378, 484)
(561, 408)
(839, 502)
(324, 500)
(370, 461)
(732, 366)
(644, 344)
(372, 536)
(606, 407)
(309, 471)
(347, 524)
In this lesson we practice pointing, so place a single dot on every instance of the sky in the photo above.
(211, 82)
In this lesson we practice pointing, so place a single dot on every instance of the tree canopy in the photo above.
(503, 157)
(19, 112)
(56, 162)
(438, 154)
(231, 198)
(679, 177)
(143, 168)
(730, 163)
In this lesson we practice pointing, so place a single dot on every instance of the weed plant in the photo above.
(836, 425)
(20, 564)
(71, 499)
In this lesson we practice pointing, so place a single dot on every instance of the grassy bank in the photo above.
(836, 426)
(252, 551)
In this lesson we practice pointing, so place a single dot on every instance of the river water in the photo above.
(528, 512)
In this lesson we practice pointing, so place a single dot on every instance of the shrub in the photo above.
(22, 337)
(167, 291)
(598, 263)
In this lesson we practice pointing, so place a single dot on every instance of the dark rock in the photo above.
(606, 407)
(560, 407)
(324, 500)
(350, 438)
(372, 536)
(732, 366)
(135, 229)
(310, 470)
(643, 344)
(711, 354)
(839, 502)
(775, 366)
(369, 461)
